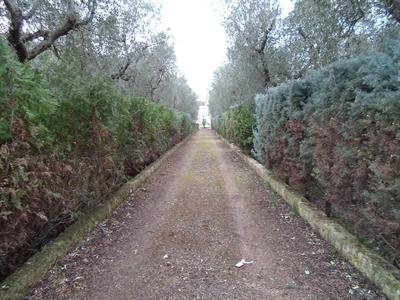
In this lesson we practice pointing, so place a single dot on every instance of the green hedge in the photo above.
(66, 143)
(335, 136)
(236, 125)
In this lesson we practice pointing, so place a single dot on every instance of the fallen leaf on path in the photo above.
(243, 262)
(78, 278)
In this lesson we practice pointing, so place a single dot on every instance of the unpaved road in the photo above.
(181, 234)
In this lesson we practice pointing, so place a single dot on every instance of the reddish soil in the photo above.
(181, 234)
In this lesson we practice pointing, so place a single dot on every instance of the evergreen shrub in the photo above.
(335, 136)
(236, 125)
(66, 143)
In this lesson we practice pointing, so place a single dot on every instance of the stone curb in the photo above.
(18, 283)
(373, 266)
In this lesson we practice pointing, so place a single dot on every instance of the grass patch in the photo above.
(295, 209)
(274, 199)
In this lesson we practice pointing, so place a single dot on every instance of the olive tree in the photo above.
(34, 27)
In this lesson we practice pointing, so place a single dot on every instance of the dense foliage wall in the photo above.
(335, 136)
(66, 142)
(236, 125)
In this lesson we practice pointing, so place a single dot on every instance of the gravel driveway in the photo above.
(181, 235)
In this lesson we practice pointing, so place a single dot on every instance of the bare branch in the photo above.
(122, 70)
(29, 37)
(357, 16)
(56, 52)
(18, 41)
(393, 8)
(121, 74)
(64, 29)
(265, 37)
(14, 32)
(162, 71)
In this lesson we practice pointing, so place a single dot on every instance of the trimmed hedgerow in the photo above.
(335, 136)
(236, 125)
(66, 143)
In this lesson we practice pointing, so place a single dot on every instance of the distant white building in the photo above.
(204, 113)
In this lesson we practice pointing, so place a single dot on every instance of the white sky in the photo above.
(200, 40)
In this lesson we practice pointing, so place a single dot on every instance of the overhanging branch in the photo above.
(18, 41)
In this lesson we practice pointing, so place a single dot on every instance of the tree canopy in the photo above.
(266, 48)
(116, 39)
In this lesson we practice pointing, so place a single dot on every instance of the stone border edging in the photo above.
(16, 285)
(373, 266)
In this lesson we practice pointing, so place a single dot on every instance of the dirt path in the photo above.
(180, 236)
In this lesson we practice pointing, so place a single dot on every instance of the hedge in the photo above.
(66, 143)
(236, 125)
(335, 136)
